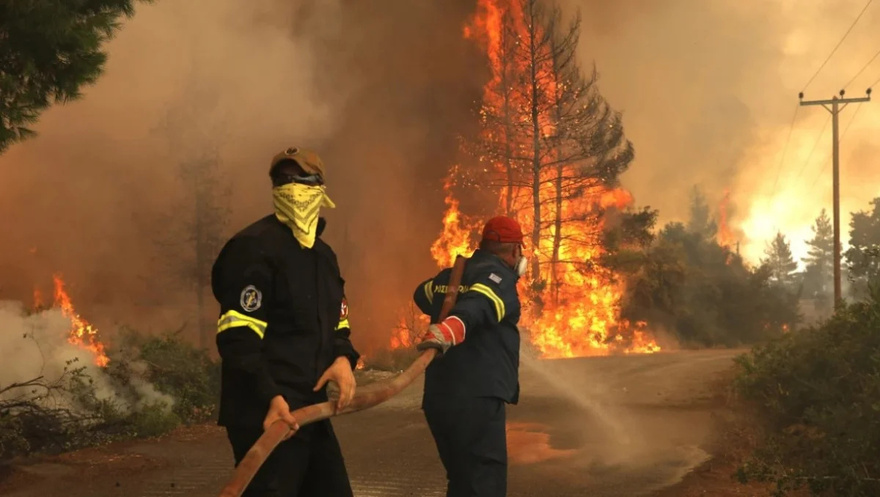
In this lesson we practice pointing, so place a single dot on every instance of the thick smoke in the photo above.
(708, 90)
(380, 93)
(35, 347)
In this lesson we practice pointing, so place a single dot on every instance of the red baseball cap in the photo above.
(503, 229)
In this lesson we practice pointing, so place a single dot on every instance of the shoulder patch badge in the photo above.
(343, 310)
(494, 277)
(251, 298)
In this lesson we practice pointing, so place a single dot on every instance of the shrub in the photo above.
(157, 384)
(175, 368)
(817, 394)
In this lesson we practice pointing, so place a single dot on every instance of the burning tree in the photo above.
(553, 143)
(552, 149)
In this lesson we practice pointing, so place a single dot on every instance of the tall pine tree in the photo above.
(783, 268)
(701, 221)
(863, 255)
(818, 264)
(49, 50)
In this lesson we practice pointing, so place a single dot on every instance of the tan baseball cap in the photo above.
(307, 159)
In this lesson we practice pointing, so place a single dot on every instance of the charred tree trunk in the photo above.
(509, 136)
(557, 233)
(536, 138)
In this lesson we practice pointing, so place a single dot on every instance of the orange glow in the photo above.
(571, 307)
(82, 334)
(38, 300)
(411, 324)
(456, 237)
(575, 307)
(725, 236)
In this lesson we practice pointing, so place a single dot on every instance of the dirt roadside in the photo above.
(668, 400)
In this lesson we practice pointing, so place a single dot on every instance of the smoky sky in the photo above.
(708, 89)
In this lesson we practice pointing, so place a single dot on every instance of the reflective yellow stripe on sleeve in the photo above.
(429, 291)
(233, 319)
(343, 324)
(488, 292)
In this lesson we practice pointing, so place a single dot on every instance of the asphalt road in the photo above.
(608, 426)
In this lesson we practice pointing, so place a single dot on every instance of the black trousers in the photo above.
(472, 441)
(309, 464)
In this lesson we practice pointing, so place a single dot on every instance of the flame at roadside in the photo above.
(81, 333)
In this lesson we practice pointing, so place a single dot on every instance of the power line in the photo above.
(815, 145)
(874, 83)
(863, 69)
(838, 44)
(785, 148)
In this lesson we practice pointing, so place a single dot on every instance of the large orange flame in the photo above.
(456, 237)
(82, 333)
(573, 303)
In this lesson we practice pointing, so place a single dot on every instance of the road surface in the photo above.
(606, 426)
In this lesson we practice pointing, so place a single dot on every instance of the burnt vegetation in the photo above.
(157, 384)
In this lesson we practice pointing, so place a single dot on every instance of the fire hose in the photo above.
(365, 398)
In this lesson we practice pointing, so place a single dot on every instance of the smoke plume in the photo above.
(380, 93)
(35, 346)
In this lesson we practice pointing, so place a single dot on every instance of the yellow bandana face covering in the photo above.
(298, 206)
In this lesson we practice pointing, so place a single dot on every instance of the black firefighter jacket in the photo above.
(283, 320)
(486, 363)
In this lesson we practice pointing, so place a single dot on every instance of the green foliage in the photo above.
(820, 259)
(49, 50)
(701, 221)
(152, 420)
(174, 367)
(817, 392)
(780, 262)
(630, 229)
(157, 384)
(34, 418)
(684, 281)
(863, 255)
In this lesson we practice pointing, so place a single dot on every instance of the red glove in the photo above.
(449, 332)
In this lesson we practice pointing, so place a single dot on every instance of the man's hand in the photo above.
(278, 409)
(449, 332)
(340, 373)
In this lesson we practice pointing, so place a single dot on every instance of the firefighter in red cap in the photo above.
(467, 387)
(283, 333)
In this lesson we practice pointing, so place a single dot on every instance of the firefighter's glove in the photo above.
(441, 336)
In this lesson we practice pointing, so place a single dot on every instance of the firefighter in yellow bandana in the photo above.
(283, 334)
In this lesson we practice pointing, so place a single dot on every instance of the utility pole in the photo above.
(834, 106)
